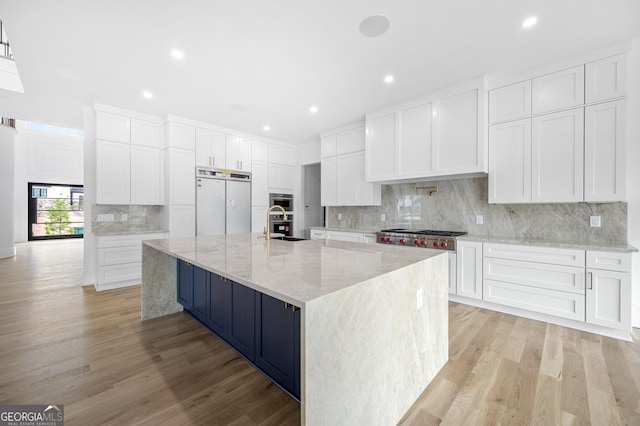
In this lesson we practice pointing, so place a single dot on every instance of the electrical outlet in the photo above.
(124, 217)
(595, 221)
(339, 216)
(419, 298)
(479, 219)
(383, 217)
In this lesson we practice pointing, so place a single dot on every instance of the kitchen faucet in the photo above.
(267, 230)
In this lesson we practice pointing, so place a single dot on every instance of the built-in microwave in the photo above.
(283, 200)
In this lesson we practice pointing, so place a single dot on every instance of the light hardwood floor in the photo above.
(64, 344)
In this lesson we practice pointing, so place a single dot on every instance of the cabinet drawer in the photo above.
(354, 237)
(120, 273)
(610, 261)
(317, 234)
(557, 303)
(117, 255)
(539, 275)
(565, 257)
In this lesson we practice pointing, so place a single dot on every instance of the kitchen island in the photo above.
(373, 318)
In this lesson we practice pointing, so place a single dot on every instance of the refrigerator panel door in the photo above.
(210, 207)
(238, 207)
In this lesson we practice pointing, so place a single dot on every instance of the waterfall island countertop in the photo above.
(373, 318)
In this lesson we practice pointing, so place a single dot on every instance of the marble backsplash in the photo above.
(139, 218)
(459, 201)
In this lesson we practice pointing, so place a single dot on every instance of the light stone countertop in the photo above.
(549, 243)
(295, 272)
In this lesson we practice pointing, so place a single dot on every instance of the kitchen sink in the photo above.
(286, 238)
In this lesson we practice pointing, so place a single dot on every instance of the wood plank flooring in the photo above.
(64, 344)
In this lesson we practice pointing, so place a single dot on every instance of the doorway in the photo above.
(55, 211)
(313, 210)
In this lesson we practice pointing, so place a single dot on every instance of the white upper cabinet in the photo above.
(238, 153)
(328, 181)
(510, 162)
(414, 146)
(604, 152)
(560, 90)
(113, 173)
(281, 177)
(458, 145)
(439, 135)
(259, 184)
(146, 133)
(210, 148)
(381, 147)
(328, 146)
(259, 151)
(606, 79)
(510, 102)
(350, 141)
(180, 136)
(557, 157)
(113, 127)
(279, 154)
(146, 170)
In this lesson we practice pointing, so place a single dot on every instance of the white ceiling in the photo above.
(279, 57)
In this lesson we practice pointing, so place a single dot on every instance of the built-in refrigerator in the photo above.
(223, 202)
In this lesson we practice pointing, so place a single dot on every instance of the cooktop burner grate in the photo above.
(425, 232)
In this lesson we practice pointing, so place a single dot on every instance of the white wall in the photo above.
(633, 172)
(43, 158)
(7, 177)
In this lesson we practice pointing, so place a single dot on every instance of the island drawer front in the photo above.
(117, 255)
(127, 240)
(318, 234)
(568, 257)
(550, 302)
(540, 275)
(610, 261)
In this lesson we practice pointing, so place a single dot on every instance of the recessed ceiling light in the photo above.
(388, 79)
(177, 54)
(147, 95)
(374, 26)
(529, 22)
(313, 109)
(267, 128)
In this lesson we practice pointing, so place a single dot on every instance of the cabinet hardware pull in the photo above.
(589, 280)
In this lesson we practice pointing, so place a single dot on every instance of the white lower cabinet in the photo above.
(182, 220)
(258, 218)
(318, 234)
(354, 237)
(452, 273)
(609, 289)
(120, 259)
(469, 269)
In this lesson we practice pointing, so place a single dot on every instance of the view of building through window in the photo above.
(55, 211)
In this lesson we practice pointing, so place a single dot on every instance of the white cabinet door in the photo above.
(328, 146)
(259, 184)
(606, 79)
(146, 133)
(510, 102)
(541, 275)
(328, 184)
(182, 221)
(318, 234)
(281, 177)
(557, 157)
(510, 162)
(210, 148)
(113, 173)
(345, 180)
(608, 298)
(381, 147)
(258, 218)
(469, 269)
(415, 143)
(353, 237)
(365, 193)
(181, 136)
(605, 152)
(560, 90)
(180, 172)
(350, 141)
(112, 127)
(455, 145)
(259, 152)
(282, 155)
(238, 153)
(146, 175)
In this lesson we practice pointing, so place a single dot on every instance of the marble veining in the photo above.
(139, 219)
(458, 202)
